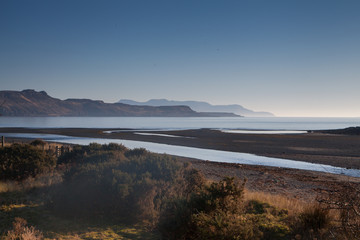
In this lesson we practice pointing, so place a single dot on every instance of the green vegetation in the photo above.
(111, 192)
(20, 161)
(127, 189)
(217, 211)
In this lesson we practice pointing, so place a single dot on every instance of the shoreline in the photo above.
(304, 185)
(320, 148)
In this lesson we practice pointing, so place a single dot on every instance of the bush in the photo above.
(38, 142)
(202, 214)
(349, 204)
(313, 223)
(20, 161)
(22, 232)
(346, 202)
(105, 183)
(136, 152)
(314, 218)
(93, 153)
(218, 211)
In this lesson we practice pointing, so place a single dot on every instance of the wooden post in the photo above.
(2, 141)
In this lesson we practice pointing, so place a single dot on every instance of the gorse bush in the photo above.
(110, 181)
(38, 143)
(20, 161)
(136, 152)
(218, 211)
(93, 153)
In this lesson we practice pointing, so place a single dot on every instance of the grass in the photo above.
(292, 205)
(26, 200)
(8, 186)
(105, 232)
(40, 181)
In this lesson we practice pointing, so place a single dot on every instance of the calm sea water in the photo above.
(273, 123)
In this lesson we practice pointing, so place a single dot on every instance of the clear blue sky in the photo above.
(290, 57)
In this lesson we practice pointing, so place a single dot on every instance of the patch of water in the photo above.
(264, 131)
(160, 135)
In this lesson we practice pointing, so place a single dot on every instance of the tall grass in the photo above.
(8, 186)
(42, 180)
(292, 205)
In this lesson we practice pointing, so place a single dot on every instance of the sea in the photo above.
(181, 123)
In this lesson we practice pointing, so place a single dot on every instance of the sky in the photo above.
(288, 57)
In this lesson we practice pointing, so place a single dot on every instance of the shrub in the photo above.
(22, 232)
(38, 142)
(313, 223)
(203, 212)
(106, 184)
(20, 161)
(349, 204)
(315, 218)
(218, 211)
(136, 152)
(346, 202)
(93, 153)
(257, 207)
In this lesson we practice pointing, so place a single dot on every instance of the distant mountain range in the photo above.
(32, 103)
(201, 107)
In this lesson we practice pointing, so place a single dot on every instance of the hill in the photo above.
(201, 107)
(30, 103)
(344, 131)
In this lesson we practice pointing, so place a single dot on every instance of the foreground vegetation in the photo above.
(111, 192)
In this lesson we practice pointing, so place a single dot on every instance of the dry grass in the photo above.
(294, 206)
(8, 186)
(43, 180)
(108, 233)
(22, 232)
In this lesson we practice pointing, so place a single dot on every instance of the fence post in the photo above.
(57, 151)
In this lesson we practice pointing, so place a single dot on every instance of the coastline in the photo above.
(298, 184)
(304, 185)
(320, 148)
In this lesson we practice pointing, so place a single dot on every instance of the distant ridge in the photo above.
(201, 107)
(344, 131)
(30, 103)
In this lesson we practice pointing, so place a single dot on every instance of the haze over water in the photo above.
(181, 123)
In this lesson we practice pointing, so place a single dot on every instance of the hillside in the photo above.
(30, 103)
(344, 131)
(201, 107)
